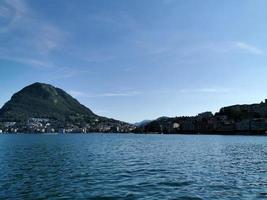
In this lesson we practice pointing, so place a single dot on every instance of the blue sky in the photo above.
(137, 59)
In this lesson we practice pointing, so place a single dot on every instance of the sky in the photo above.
(137, 59)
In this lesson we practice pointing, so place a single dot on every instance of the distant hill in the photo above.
(250, 118)
(247, 111)
(44, 101)
(142, 123)
(41, 100)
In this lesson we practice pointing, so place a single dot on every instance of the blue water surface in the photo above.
(128, 166)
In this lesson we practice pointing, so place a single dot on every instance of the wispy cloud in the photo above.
(227, 47)
(97, 57)
(48, 38)
(118, 94)
(40, 37)
(29, 62)
(169, 1)
(172, 47)
(78, 94)
(206, 90)
(11, 11)
(198, 91)
(248, 48)
(117, 20)
(58, 73)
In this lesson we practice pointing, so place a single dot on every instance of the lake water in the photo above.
(128, 166)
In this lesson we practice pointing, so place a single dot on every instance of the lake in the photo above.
(128, 166)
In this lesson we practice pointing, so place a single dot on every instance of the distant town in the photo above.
(43, 125)
(237, 119)
(43, 108)
(230, 120)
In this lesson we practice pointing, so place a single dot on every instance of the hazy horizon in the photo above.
(137, 60)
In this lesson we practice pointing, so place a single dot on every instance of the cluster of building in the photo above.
(232, 119)
(98, 126)
(208, 123)
(43, 125)
(33, 125)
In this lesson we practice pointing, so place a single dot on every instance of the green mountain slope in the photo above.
(44, 101)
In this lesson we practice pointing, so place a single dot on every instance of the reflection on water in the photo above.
(127, 166)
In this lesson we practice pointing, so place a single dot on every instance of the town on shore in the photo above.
(44, 125)
(43, 108)
(238, 119)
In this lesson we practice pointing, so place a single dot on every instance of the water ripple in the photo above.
(146, 167)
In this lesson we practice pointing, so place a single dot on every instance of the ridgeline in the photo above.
(237, 119)
(44, 108)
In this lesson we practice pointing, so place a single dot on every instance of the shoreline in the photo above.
(147, 133)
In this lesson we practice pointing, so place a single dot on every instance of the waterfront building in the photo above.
(176, 126)
(9, 124)
(243, 125)
(204, 115)
(188, 125)
(258, 124)
(62, 130)
(38, 120)
(225, 126)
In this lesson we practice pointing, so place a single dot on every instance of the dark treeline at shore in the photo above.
(229, 120)
(43, 108)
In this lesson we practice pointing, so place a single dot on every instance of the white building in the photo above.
(176, 125)
(9, 124)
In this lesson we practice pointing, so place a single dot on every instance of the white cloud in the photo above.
(169, 1)
(206, 90)
(11, 11)
(248, 48)
(99, 57)
(66, 72)
(40, 37)
(119, 19)
(78, 94)
(4, 11)
(230, 47)
(34, 63)
(118, 94)
(227, 47)
(47, 38)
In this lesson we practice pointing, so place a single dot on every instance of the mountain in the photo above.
(41, 102)
(142, 123)
(246, 111)
(247, 118)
